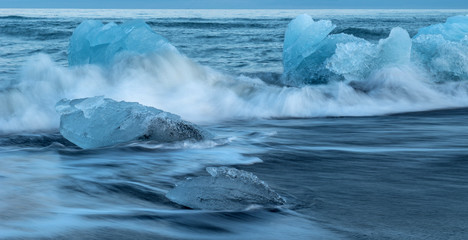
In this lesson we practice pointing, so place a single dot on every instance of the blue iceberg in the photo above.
(99, 122)
(226, 189)
(442, 49)
(454, 29)
(311, 55)
(303, 37)
(93, 42)
(307, 46)
(356, 60)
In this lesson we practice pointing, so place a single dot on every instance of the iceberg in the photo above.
(454, 29)
(303, 48)
(226, 189)
(356, 60)
(93, 42)
(302, 38)
(99, 122)
(307, 46)
(442, 49)
(312, 55)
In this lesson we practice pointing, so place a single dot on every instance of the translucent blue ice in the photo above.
(302, 38)
(226, 189)
(355, 60)
(313, 69)
(311, 55)
(98, 122)
(96, 43)
(442, 49)
(304, 48)
(454, 29)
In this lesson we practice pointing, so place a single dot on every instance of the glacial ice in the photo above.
(226, 189)
(313, 69)
(302, 38)
(311, 55)
(307, 47)
(96, 43)
(454, 29)
(356, 60)
(304, 48)
(98, 122)
(442, 49)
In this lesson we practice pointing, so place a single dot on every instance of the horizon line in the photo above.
(458, 9)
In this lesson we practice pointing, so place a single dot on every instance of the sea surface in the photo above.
(350, 166)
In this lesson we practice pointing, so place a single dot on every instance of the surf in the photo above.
(175, 83)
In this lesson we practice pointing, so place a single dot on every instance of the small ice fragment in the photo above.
(226, 189)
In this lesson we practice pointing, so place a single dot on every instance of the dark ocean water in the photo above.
(352, 170)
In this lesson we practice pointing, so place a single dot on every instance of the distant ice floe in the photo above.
(99, 122)
(226, 189)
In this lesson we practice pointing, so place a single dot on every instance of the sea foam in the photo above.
(377, 81)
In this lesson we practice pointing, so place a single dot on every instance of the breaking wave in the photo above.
(175, 83)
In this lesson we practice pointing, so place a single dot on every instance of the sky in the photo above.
(235, 4)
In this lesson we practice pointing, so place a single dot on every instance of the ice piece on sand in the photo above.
(226, 189)
(96, 43)
(98, 122)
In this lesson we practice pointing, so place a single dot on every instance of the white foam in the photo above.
(199, 94)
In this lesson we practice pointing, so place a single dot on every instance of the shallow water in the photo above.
(347, 171)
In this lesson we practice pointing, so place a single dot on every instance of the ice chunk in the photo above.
(305, 38)
(356, 60)
(454, 29)
(396, 49)
(226, 189)
(96, 43)
(302, 38)
(313, 68)
(443, 49)
(352, 60)
(345, 57)
(98, 122)
(311, 55)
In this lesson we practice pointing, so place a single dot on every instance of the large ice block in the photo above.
(96, 43)
(355, 60)
(311, 55)
(442, 49)
(454, 29)
(98, 122)
(304, 48)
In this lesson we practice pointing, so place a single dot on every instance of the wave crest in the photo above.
(174, 83)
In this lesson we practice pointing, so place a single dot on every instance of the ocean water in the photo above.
(350, 165)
